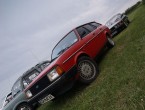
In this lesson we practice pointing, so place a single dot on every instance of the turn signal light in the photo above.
(59, 70)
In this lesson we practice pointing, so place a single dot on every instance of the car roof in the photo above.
(31, 69)
(67, 34)
(85, 24)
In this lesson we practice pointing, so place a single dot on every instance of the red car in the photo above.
(72, 59)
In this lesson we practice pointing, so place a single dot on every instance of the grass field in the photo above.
(121, 83)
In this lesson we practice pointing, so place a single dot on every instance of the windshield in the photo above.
(29, 77)
(113, 20)
(42, 65)
(34, 72)
(16, 88)
(64, 44)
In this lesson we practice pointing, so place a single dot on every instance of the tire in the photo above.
(24, 106)
(110, 42)
(126, 22)
(88, 70)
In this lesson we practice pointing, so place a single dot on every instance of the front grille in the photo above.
(40, 85)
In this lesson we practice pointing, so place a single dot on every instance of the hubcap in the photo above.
(86, 69)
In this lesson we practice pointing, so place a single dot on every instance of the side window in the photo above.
(82, 31)
(89, 27)
(16, 88)
(96, 25)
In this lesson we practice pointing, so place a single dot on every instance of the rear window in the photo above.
(89, 27)
(82, 31)
(96, 25)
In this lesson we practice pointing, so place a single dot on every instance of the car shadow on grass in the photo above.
(61, 100)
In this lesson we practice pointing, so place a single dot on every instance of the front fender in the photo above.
(20, 98)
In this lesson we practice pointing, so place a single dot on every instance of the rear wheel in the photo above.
(24, 106)
(110, 42)
(126, 22)
(87, 69)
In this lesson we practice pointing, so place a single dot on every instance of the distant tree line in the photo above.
(129, 10)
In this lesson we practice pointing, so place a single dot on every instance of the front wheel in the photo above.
(110, 42)
(87, 69)
(24, 107)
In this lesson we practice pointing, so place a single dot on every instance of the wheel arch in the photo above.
(22, 102)
(79, 55)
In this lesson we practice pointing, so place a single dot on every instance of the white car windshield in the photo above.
(113, 20)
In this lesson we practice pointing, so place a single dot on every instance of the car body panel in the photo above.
(21, 97)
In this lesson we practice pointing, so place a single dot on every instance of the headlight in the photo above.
(29, 94)
(55, 73)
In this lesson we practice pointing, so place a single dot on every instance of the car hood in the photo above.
(111, 26)
(43, 73)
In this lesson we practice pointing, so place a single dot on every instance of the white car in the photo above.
(117, 23)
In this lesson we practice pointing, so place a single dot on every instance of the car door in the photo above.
(90, 38)
(100, 34)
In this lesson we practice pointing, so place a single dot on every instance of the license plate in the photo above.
(46, 99)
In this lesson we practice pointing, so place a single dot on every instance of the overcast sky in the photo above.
(29, 29)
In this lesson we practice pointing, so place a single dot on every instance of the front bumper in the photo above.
(58, 87)
(117, 29)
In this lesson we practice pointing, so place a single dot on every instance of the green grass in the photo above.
(121, 83)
